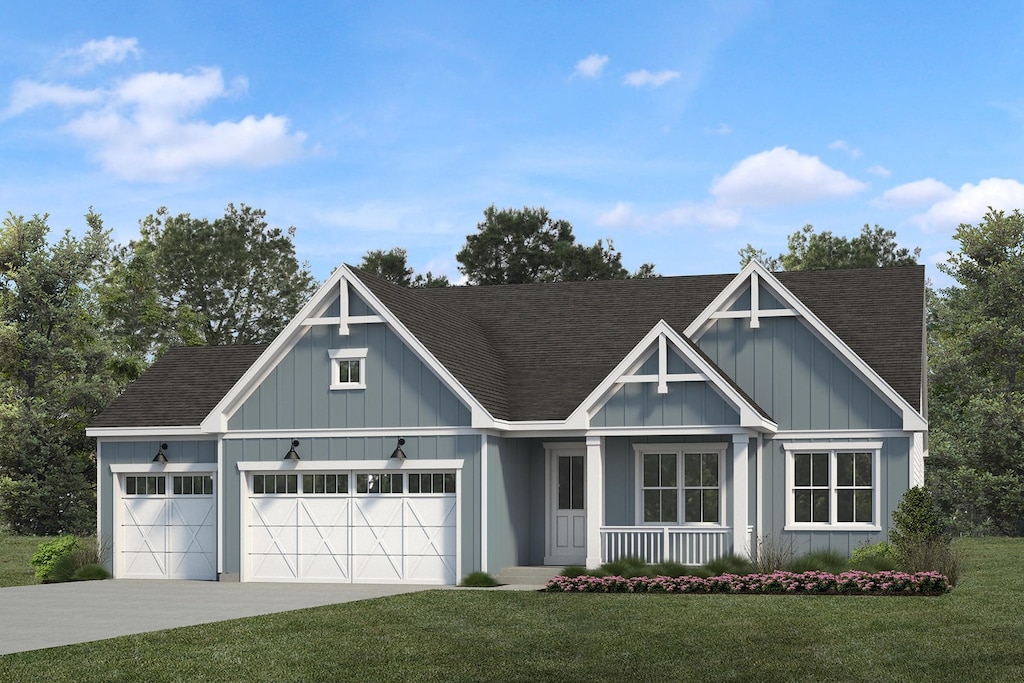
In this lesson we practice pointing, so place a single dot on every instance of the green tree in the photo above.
(976, 385)
(55, 375)
(872, 248)
(233, 280)
(393, 266)
(516, 246)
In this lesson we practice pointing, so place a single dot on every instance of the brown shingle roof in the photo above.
(180, 388)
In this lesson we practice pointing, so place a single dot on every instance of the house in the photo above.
(417, 435)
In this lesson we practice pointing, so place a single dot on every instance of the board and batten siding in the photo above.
(139, 453)
(335, 449)
(800, 382)
(515, 505)
(893, 477)
(401, 390)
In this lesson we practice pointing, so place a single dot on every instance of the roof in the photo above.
(180, 388)
(548, 345)
(535, 352)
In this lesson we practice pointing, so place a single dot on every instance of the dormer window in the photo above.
(348, 368)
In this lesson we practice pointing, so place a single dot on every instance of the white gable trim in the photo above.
(339, 281)
(754, 272)
(662, 337)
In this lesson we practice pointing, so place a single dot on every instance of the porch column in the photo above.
(594, 499)
(740, 503)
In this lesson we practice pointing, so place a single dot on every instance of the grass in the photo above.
(15, 552)
(973, 633)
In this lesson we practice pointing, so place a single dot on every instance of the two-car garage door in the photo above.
(351, 526)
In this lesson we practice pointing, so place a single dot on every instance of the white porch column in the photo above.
(594, 499)
(740, 503)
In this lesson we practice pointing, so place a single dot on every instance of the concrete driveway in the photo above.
(34, 617)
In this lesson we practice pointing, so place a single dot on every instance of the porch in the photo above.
(654, 544)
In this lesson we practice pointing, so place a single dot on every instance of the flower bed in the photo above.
(787, 583)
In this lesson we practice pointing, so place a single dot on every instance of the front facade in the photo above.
(417, 435)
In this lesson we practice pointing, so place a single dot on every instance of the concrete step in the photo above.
(527, 575)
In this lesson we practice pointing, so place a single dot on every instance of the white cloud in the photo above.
(720, 129)
(98, 52)
(690, 214)
(970, 203)
(843, 146)
(143, 127)
(917, 193)
(27, 95)
(592, 66)
(880, 171)
(782, 176)
(644, 77)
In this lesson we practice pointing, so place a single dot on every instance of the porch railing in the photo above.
(685, 545)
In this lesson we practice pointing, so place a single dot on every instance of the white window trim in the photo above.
(832, 449)
(680, 450)
(338, 355)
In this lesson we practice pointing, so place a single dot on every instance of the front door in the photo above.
(567, 513)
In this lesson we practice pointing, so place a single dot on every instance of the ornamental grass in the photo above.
(782, 583)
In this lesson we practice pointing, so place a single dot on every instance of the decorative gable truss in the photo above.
(755, 293)
(658, 346)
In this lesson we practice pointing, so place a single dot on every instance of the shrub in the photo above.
(626, 567)
(774, 553)
(730, 564)
(49, 553)
(821, 561)
(91, 572)
(938, 556)
(479, 580)
(916, 520)
(873, 558)
(574, 570)
(670, 569)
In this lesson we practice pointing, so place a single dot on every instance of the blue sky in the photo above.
(681, 131)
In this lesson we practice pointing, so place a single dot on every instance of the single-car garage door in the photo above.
(167, 527)
(352, 526)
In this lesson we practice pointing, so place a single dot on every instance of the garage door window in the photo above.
(193, 485)
(432, 483)
(324, 483)
(379, 482)
(275, 483)
(145, 486)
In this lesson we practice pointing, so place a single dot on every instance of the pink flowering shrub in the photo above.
(803, 583)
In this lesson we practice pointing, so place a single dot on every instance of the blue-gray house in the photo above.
(392, 434)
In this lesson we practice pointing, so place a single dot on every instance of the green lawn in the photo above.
(975, 633)
(15, 552)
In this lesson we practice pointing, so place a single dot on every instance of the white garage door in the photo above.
(360, 527)
(167, 527)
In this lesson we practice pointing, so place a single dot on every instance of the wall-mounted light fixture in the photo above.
(160, 457)
(291, 454)
(399, 453)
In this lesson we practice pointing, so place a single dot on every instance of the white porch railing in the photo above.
(685, 545)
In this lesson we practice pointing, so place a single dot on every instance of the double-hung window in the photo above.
(833, 486)
(348, 368)
(680, 483)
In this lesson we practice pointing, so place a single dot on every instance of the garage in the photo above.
(385, 525)
(166, 526)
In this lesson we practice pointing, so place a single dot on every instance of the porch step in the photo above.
(527, 575)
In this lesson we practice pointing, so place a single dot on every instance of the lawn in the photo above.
(15, 552)
(973, 633)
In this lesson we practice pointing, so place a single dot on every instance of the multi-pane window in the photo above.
(378, 482)
(348, 371)
(348, 368)
(192, 484)
(275, 483)
(324, 483)
(681, 486)
(431, 482)
(833, 485)
(145, 486)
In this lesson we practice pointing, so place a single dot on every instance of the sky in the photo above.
(680, 131)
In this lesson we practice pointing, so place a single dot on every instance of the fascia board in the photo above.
(217, 420)
(912, 419)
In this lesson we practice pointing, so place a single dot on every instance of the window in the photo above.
(378, 483)
(832, 485)
(348, 368)
(324, 483)
(680, 483)
(431, 482)
(145, 486)
(192, 485)
(275, 483)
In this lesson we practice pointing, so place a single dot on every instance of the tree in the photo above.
(55, 375)
(393, 266)
(976, 392)
(188, 280)
(516, 246)
(873, 248)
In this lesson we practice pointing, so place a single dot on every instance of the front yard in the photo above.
(973, 633)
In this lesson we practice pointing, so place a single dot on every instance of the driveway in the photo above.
(34, 617)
